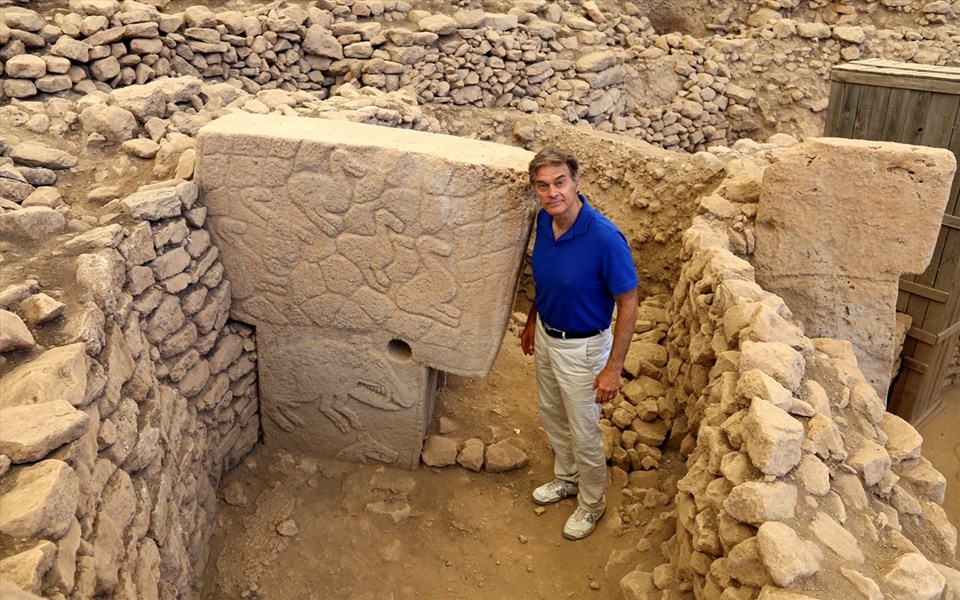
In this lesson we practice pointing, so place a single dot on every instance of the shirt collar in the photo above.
(584, 218)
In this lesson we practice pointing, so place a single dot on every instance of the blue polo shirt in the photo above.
(577, 276)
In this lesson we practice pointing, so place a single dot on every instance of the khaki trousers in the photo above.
(570, 414)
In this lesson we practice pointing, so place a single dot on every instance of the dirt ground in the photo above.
(371, 532)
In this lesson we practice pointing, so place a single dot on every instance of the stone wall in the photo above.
(798, 481)
(764, 71)
(127, 394)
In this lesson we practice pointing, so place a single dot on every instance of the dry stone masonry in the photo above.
(130, 394)
(368, 259)
(611, 69)
(799, 484)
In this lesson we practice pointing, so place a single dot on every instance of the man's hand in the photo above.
(607, 385)
(527, 336)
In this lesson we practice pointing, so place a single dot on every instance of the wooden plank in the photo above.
(940, 120)
(918, 104)
(933, 378)
(940, 316)
(897, 78)
(872, 107)
(953, 207)
(863, 116)
(952, 330)
(922, 420)
(897, 110)
(914, 365)
(880, 65)
(832, 125)
(951, 221)
(924, 336)
(922, 290)
(848, 110)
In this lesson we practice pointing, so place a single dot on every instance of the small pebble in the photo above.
(288, 528)
(539, 510)
(594, 585)
(523, 539)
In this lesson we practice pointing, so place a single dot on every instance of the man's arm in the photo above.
(607, 382)
(528, 334)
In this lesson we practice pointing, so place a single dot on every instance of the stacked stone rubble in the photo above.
(127, 394)
(799, 484)
(610, 69)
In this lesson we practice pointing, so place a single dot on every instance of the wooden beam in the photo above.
(951, 221)
(922, 290)
(898, 78)
(914, 365)
(924, 336)
(953, 329)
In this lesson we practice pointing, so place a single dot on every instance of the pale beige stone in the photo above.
(368, 258)
(14, 334)
(38, 501)
(57, 374)
(439, 451)
(29, 431)
(504, 456)
(912, 576)
(834, 266)
(787, 557)
(40, 308)
(772, 438)
(755, 502)
(833, 536)
(28, 568)
(471, 455)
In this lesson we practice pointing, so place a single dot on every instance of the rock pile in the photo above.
(604, 67)
(797, 479)
(127, 392)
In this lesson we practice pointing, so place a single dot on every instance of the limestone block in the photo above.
(471, 455)
(776, 359)
(439, 451)
(38, 501)
(870, 460)
(772, 438)
(36, 154)
(57, 374)
(504, 456)
(912, 576)
(28, 568)
(390, 253)
(32, 222)
(787, 557)
(833, 536)
(834, 265)
(14, 334)
(13, 591)
(102, 274)
(755, 502)
(29, 431)
(903, 441)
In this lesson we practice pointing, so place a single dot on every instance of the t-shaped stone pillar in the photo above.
(838, 222)
(368, 259)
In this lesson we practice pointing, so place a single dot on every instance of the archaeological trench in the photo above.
(287, 223)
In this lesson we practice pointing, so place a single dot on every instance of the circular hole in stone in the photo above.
(399, 350)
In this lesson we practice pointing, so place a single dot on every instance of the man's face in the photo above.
(556, 189)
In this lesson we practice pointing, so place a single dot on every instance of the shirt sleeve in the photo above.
(616, 266)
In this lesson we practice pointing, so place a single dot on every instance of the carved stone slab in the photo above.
(838, 222)
(368, 258)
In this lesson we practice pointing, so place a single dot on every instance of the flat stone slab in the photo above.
(368, 258)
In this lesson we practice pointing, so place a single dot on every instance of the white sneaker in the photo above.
(555, 491)
(581, 524)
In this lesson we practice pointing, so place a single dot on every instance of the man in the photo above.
(582, 268)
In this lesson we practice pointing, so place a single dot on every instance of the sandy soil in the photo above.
(371, 532)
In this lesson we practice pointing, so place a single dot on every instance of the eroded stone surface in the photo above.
(834, 266)
(367, 258)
